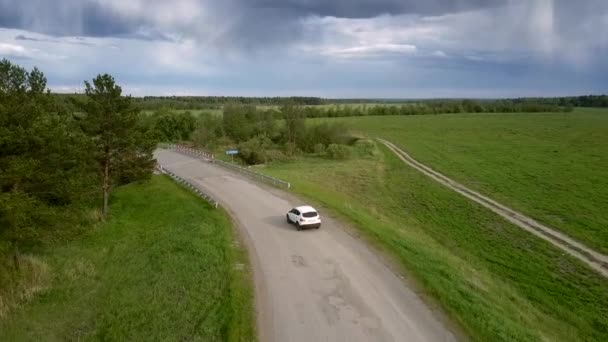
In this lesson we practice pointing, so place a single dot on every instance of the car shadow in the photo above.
(281, 222)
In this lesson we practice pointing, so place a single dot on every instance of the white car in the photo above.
(304, 217)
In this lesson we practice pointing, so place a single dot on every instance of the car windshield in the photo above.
(310, 214)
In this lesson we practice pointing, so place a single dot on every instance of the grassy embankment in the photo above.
(552, 167)
(165, 266)
(497, 281)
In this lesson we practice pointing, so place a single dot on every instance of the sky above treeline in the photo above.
(326, 48)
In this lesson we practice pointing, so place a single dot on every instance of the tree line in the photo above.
(57, 163)
(425, 106)
(432, 106)
(216, 102)
(578, 101)
(261, 135)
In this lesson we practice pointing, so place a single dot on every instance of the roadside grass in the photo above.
(165, 266)
(550, 166)
(497, 282)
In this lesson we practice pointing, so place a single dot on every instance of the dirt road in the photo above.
(594, 259)
(312, 285)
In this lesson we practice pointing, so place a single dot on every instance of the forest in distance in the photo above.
(424, 106)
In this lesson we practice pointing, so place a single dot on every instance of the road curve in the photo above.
(312, 285)
(590, 257)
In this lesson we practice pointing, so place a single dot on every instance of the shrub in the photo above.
(325, 133)
(336, 151)
(174, 126)
(292, 150)
(319, 149)
(366, 147)
(17, 287)
(209, 130)
(276, 156)
(254, 150)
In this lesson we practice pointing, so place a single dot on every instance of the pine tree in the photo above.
(123, 147)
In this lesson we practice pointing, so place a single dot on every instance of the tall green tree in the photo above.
(43, 167)
(294, 122)
(174, 126)
(122, 145)
(238, 123)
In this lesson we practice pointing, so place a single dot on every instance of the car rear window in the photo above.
(310, 214)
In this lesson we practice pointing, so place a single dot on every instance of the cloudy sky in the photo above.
(328, 48)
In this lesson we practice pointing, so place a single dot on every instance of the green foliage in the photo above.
(294, 123)
(209, 130)
(216, 102)
(44, 167)
(362, 106)
(162, 268)
(237, 122)
(366, 148)
(339, 152)
(174, 126)
(319, 148)
(254, 151)
(324, 133)
(258, 131)
(274, 155)
(121, 143)
(292, 150)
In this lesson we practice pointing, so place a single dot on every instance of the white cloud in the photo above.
(21, 51)
(374, 50)
(439, 53)
(12, 50)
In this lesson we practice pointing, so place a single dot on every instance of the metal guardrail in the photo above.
(254, 174)
(187, 184)
(209, 157)
(188, 150)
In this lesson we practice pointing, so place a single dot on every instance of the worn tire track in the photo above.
(592, 258)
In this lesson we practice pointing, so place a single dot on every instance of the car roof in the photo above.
(305, 209)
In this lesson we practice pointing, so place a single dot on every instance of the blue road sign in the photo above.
(232, 152)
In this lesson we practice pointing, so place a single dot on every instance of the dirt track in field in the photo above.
(592, 258)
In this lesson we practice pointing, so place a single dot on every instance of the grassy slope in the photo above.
(552, 167)
(497, 281)
(162, 268)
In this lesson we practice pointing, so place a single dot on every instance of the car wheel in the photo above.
(288, 220)
(317, 227)
(298, 227)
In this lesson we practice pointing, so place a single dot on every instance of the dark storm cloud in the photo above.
(65, 18)
(372, 8)
(250, 18)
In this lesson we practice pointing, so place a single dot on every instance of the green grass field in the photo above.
(498, 282)
(551, 166)
(165, 266)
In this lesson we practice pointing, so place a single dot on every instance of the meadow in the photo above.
(165, 266)
(497, 282)
(550, 166)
